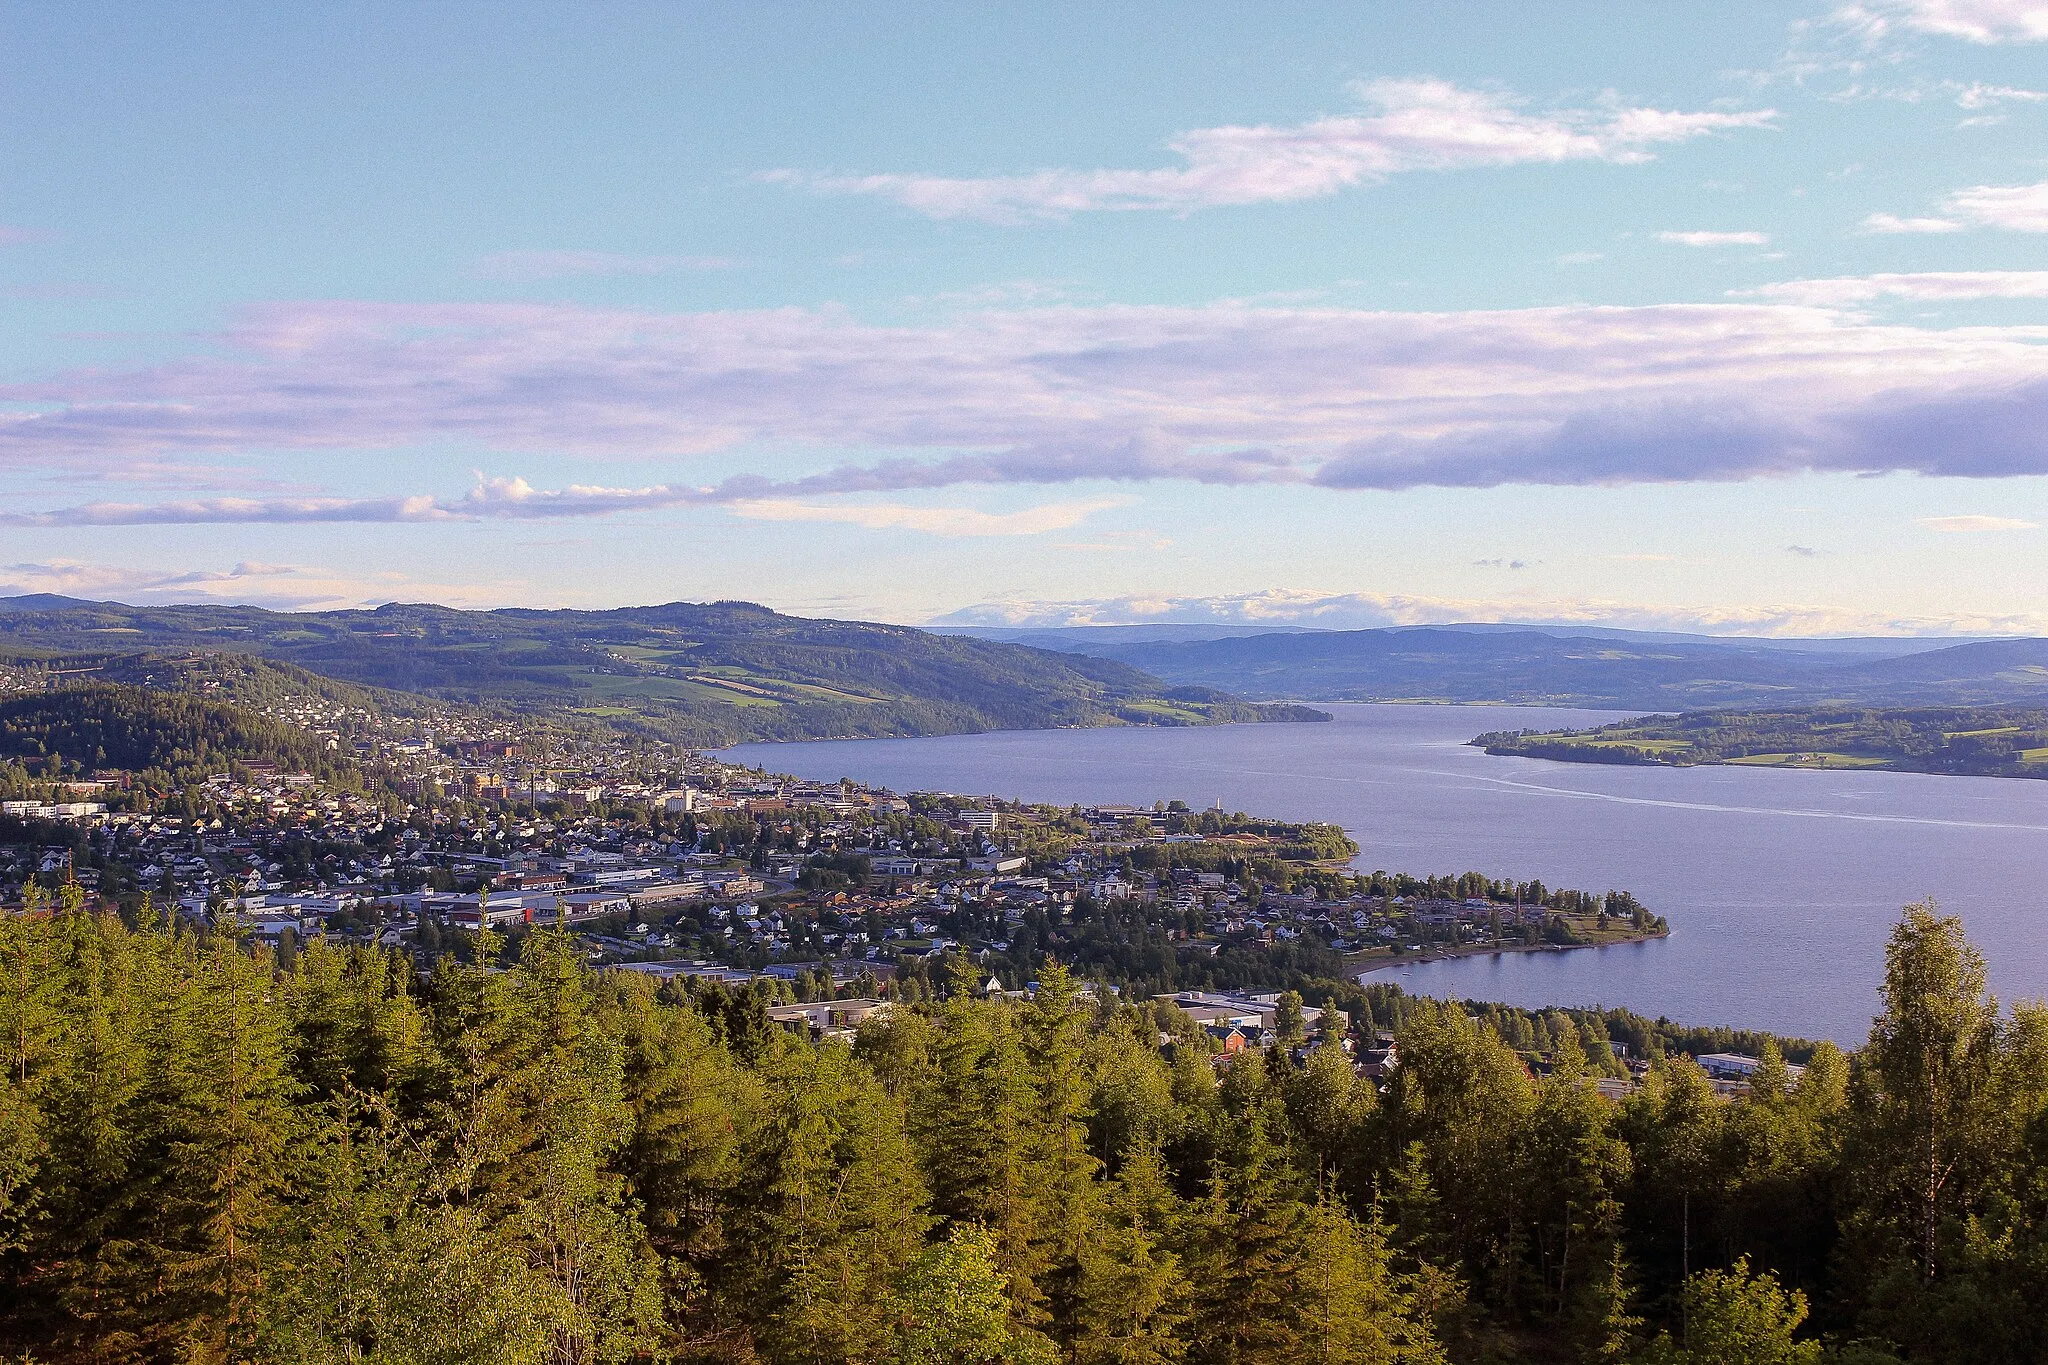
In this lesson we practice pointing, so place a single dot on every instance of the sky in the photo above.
(1716, 317)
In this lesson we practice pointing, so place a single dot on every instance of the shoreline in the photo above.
(1359, 973)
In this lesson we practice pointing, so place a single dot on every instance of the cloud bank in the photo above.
(938, 521)
(1966, 525)
(1932, 286)
(1418, 124)
(1365, 611)
(1224, 395)
(281, 587)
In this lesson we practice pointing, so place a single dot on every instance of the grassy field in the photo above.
(1809, 760)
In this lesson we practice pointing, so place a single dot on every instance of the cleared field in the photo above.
(1166, 711)
(1654, 746)
(1808, 761)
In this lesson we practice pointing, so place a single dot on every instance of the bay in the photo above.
(1780, 884)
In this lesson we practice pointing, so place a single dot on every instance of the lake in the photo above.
(1780, 885)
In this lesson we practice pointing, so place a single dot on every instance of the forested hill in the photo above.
(169, 739)
(1987, 742)
(1615, 669)
(700, 674)
(215, 1153)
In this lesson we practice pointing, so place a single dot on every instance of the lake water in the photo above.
(1780, 885)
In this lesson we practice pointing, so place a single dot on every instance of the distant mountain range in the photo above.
(1584, 666)
(703, 674)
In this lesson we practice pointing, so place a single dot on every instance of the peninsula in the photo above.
(1971, 741)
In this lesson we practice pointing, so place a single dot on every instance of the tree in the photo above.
(831, 1213)
(955, 1308)
(1133, 1297)
(1574, 1169)
(1614, 1328)
(1062, 1170)
(1246, 1248)
(1287, 1020)
(1351, 1309)
(1924, 1109)
(1740, 1319)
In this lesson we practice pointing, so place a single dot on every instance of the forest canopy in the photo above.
(211, 1152)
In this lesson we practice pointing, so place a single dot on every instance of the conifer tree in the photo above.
(1246, 1247)
(1348, 1302)
(1134, 1298)
(831, 1212)
(1060, 1170)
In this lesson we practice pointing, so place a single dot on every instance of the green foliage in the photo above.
(209, 1154)
(955, 1308)
(1735, 1318)
(172, 739)
(701, 674)
(1985, 741)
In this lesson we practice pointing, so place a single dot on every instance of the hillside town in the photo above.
(683, 864)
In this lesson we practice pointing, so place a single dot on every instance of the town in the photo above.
(443, 828)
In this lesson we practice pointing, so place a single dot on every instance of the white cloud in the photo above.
(938, 521)
(1221, 395)
(1887, 224)
(2015, 208)
(1925, 286)
(1977, 21)
(1980, 96)
(1969, 524)
(1419, 124)
(554, 265)
(1714, 238)
(281, 587)
(1364, 611)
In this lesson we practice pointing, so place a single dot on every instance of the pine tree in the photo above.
(565, 1111)
(1574, 1168)
(233, 1150)
(1060, 1171)
(1134, 1298)
(1349, 1305)
(1610, 1330)
(831, 1212)
(1245, 1250)
(689, 1107)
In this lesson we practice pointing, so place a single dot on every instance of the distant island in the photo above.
(1972, 741)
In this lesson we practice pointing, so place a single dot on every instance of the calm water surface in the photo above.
(1779, 885)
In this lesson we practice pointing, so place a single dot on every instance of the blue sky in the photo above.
(1723, 317)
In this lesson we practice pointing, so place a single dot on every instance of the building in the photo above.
(1733, 1066)
(575, 907)
(827, 1018)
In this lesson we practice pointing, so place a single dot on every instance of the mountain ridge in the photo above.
(704, 674)
(1532, 667)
